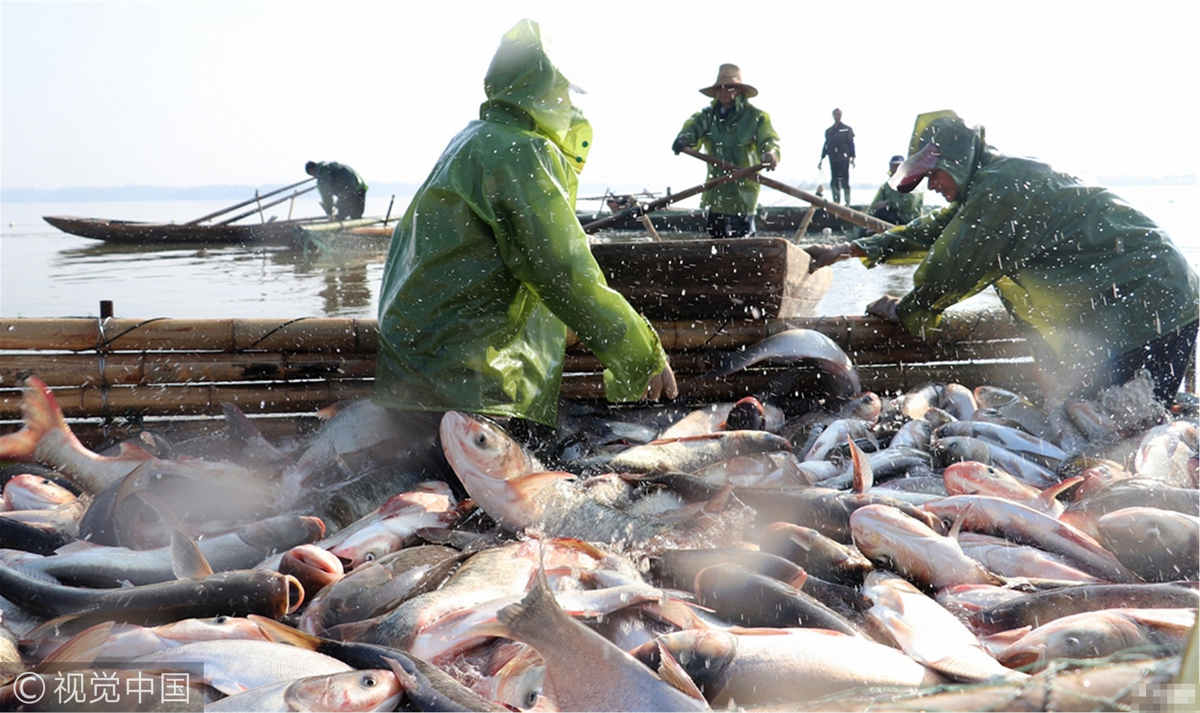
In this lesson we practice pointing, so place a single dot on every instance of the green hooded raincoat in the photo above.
(741, 138)
(1092, 276)
(489, 265)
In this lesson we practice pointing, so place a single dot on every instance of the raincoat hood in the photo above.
(523, 78)
(940, 140)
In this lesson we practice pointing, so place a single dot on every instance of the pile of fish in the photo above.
(944, 549)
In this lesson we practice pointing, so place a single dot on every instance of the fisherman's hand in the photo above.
(662, 384)
(769, 160)
(885, 308)
(826, 255)
(679, 145)
(820, 164)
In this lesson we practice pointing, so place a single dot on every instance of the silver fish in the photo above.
(798, 345)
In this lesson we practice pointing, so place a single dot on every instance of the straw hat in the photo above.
(729, 75)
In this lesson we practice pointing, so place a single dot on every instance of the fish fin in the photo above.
(283, 634)
(972, 669)
(956, 527)
(83, 648)
(671, 672)
(864, 476)
(187, 561)
(77, 546)
(408, 682)
(41, 414)
(243, 432)
(1049, 495)
(34, 573)
(527, 485)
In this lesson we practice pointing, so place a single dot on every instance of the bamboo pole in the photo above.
(263, 206)
(640, 209)
(118, 401)
(256, 197)
(849, 215)
(144, 368)
(358, 336)
(809, 215)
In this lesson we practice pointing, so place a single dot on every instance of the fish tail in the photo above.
(41, 414)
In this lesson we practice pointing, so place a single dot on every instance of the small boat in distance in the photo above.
(207, 231)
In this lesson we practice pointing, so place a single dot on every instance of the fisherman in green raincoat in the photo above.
(490, 266)
(893, 206)
(1101, 291)
(338, 182)
(733, 130)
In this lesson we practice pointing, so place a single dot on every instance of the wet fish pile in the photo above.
(946, 549)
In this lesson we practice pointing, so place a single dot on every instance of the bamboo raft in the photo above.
(175, 374)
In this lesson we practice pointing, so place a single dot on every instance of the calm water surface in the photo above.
(47, 273)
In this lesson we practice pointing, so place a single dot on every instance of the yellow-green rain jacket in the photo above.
(742, 138)
(907, 206)
(489, 265)
(1093, 276)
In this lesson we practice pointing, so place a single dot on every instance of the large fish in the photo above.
(817, 554)
(796, 346)
(714, 417)
(585, 671)
(1016, 408)
(495, 470)
(100, 566)
(372, 690)
(1004, 518)
(378, 587)
(909, 547)
(236, 665)
(752, 668)
(237, 593)
(1155, 633)
(974, 478)
(1158, 545)
(1037, 608)
(750, 599)
(955, 449)
(1011, 439)
(1011, 560)
(927, 632)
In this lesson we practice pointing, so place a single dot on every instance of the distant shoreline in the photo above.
(87, 194)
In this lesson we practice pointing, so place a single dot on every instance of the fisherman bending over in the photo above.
(338, 182)
(1100, 291)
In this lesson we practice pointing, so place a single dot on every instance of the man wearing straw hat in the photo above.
(734, 130)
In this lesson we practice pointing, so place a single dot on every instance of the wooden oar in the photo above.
(264, 206)
(641, 209)
(248, 202)
(849, 215)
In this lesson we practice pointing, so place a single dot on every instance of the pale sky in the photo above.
(197, 93)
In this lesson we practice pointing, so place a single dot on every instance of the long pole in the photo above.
(256, 197)
(849, 215)
(641, 209)
(264, 206)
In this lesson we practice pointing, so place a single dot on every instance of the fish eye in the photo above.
(481, 439)
(222, 619)
(369, 681)
(531, 698)
(369, 557)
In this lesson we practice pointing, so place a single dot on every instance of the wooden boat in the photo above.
(143, 233)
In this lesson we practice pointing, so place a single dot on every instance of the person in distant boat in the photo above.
(732, 129)
(893, 206)
(839, 147)
(341, 185)
(489, 267)
(1099, 289)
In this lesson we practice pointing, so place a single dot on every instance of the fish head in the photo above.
(367, 545)
(367, 690)
(1079, 636)
(275, 533)
(975, 478)
(519, 680)
(704, 654)
(315, 567)
(186, 631)
(27, 491)
(481, 453)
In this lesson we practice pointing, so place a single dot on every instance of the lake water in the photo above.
(47, 273)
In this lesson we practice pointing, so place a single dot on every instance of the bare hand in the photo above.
(662, 384)
(820, 164)
(826, 255)
(769, 160)
(885, 308)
